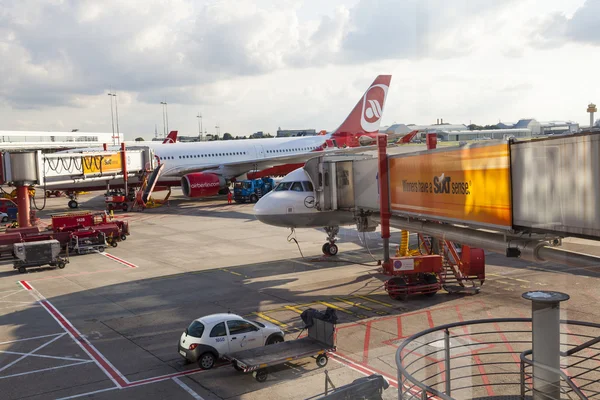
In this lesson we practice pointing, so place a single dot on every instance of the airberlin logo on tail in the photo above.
(372, 108)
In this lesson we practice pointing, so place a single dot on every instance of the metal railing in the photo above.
(484, 359)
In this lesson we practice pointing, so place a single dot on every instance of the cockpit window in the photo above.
(283, 186)
(308, 187)
(297, 186)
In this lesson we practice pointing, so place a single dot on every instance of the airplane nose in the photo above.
(261, 207)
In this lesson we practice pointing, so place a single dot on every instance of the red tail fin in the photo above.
(171, 138)
(365, 118)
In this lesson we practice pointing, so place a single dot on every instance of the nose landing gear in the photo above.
(330, 248)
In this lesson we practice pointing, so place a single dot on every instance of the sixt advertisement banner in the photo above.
(467, 184)
(102, 164)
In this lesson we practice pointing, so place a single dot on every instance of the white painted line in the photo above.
(45, 356)
(30, 338)
(46, 369)
(31, 352)
(14, 292)
(88, 393)
(187, 389)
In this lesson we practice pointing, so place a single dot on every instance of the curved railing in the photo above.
(484, 359)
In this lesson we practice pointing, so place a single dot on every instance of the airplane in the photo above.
(291, 204)
(205, 169)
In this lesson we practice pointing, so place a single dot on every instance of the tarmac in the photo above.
(106, 326)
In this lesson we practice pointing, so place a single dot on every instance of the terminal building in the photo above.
(295, 132)
(56, 140)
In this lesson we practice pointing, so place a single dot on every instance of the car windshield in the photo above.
(195, 329)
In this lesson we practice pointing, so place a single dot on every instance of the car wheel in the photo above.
(5, 219)
(206, 361)
(274, 340)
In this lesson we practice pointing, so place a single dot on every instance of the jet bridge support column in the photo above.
(384, 198)
(124, 168)
(23, 205)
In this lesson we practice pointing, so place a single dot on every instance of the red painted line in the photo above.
(367, 370)
(366, 344)
(25, 285)
(399, 322)
(91, 350)
(430, 319)
(120, 260)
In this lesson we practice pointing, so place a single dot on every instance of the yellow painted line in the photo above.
(293, 309)
(326, 304)
(353, 303)
(374, 301)
(505, 283)
(521, 280)
(269, 319)
(358, 305)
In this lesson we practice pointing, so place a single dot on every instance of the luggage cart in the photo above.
(87, 241)
(318, 344)
(36, 254)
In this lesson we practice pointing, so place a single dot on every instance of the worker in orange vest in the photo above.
(229, 197)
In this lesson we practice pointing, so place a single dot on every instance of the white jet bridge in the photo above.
(514, 197)
(34, 168)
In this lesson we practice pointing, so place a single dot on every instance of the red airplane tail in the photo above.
(365, 118)
(171, 138)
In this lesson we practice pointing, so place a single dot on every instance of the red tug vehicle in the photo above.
(79, 232)
(434, 266)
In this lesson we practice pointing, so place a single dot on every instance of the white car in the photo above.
(209, 338)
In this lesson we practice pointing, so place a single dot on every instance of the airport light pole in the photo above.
(116, 115)
(199, 116)
(165, 118)
(112, 117)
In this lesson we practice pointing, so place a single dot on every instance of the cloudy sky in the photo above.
(250, 65)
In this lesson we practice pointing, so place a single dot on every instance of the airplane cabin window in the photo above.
(308, 186)
(297, 187)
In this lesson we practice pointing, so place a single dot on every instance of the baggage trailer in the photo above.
(36, 254)
(319, 342)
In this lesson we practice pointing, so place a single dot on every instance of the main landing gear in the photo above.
(330, 248)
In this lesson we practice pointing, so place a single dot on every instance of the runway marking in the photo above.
(358, 305)
(78, 274)
(88, 393)
(44, 356)
(47, 369)
(106, 366)
(231, 272)
(374, 301)
(271, 320)
(30, 338)
(14, 292)
(292, 308)
(326, 304)
(10, 364)
(187, 389)
(119, 260)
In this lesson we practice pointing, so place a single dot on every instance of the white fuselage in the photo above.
(292, 205)
(179, 157)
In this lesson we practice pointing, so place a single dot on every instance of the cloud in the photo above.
(54, 50)
(558, 29)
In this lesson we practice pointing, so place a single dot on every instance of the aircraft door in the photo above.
(260, 151)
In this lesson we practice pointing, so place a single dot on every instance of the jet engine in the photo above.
(199, 184)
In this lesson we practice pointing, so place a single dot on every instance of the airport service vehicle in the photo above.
(212, 337)
(252, 189)
(116, 199)
(319, 342)
(36, 254)
(205, 169)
